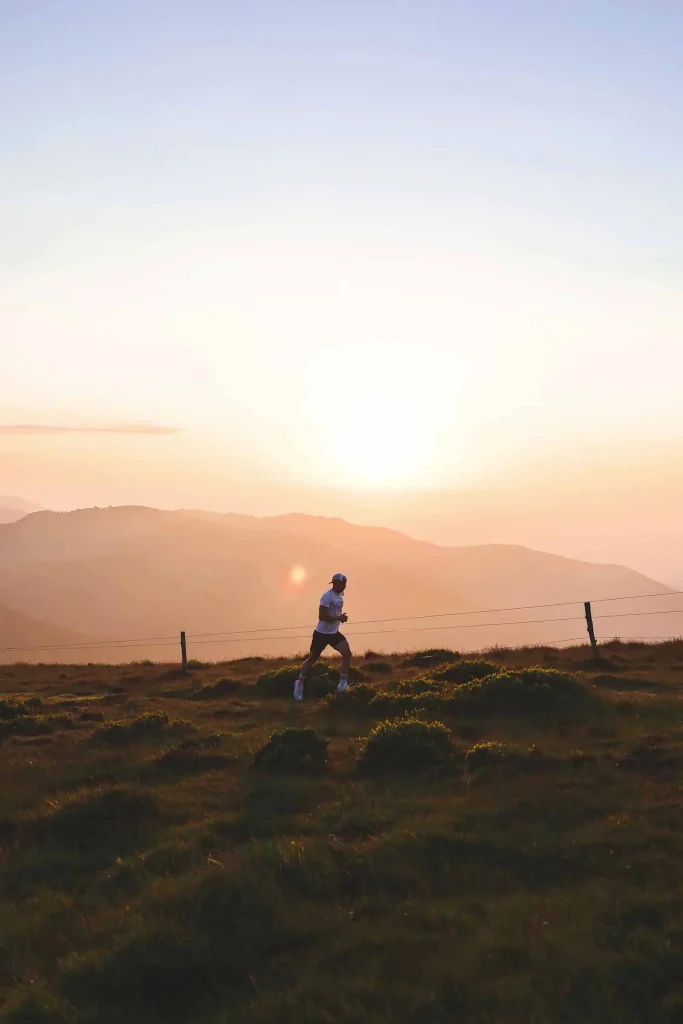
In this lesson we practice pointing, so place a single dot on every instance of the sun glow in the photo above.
(381, 411)
(297, 575)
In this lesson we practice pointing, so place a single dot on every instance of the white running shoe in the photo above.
(343, 687)
(298, 690)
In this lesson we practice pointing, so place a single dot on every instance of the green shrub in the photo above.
(483, 755)
(379, 667)
(432, 656)
(10, 709)
(405, 744)
(466, 671)
(35, 725)
(293, 750)
(357, 698)
(221, 688)
(522, 692)
(280, 682)
(151, 725)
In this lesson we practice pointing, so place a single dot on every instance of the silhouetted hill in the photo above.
(12, 509)
(138, 572)
(19, 630)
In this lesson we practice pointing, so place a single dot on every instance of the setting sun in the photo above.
(382, 411)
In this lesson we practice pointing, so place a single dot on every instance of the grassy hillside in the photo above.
(170, 855)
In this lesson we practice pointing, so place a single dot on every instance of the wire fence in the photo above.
(282, 633)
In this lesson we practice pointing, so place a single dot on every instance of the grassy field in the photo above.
(163, 859)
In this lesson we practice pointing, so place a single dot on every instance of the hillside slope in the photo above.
(20, 630)
(170, 855)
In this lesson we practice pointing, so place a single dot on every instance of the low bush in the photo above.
(405, 744)
(483, 755)
(133, 730)
(521, 692)
(293, 750)
(11, 709)
(35, 725)
(466, 671)
(357, 698)
(280, 682)
(221, 688)
(379, 667)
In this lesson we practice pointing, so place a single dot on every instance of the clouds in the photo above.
(46, 429)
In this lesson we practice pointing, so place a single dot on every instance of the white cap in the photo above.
(338, 576)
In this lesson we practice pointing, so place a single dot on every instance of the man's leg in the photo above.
(308, 664)
(345, 652)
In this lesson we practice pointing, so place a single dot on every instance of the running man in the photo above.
(330, 613)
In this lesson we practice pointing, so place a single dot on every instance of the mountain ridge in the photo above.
(137, 571)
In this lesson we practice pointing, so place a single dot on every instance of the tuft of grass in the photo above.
(223, 687)
(191, 757)
(293, 750)
(405, 744)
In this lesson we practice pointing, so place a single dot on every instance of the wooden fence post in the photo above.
(183, 650)
(591, 630)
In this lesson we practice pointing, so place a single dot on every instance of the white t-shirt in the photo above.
(335, 602)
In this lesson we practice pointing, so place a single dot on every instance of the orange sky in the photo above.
(369, 261)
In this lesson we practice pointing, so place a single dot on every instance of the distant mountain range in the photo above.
(133, 572)
(12, 509)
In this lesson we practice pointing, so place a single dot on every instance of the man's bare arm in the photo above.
(327, 616)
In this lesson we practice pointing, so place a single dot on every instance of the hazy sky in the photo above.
(336, 244)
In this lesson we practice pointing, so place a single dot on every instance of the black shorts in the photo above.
(320, 641)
